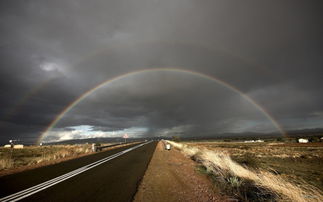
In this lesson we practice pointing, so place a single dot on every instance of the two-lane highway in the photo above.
(107, 176)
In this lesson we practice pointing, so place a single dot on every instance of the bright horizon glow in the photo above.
(88, 131)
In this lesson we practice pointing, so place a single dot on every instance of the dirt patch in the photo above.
(173, 177)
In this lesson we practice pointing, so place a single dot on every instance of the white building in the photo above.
(302, 140)
(18, 146)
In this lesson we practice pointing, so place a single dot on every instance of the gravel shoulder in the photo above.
(173, 177)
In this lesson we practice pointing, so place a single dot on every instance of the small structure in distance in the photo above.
(302, 140)
(251, 141)
(125, 137)
(14, 146)
(18, 146)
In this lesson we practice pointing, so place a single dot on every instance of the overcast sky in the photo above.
(53, 51)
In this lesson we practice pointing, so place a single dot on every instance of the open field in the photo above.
(261, 171)
(31, 156)
(290, 160)
(17, 160)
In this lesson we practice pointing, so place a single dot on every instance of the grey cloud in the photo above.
(54, 51)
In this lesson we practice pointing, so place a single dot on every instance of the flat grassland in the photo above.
(294, 161)
(16, 160)
(29, 157)
(260, 171)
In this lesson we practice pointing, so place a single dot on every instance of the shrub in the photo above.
(6, 162)
(249, 160)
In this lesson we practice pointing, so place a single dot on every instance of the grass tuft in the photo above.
(6, 163)
(248, 160)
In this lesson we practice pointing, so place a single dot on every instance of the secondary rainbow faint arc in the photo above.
(109, 81)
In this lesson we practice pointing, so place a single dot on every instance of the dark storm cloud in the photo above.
(53, 51)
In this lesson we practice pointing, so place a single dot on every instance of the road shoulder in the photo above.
(172, 177)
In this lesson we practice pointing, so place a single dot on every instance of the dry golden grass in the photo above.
(6, 163)
(221, 163)
(18, 160)
(292, 161)
(28, 156)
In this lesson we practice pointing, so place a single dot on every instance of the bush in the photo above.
(202, 170)
(249, 160)
(279, 139)
(6, 163)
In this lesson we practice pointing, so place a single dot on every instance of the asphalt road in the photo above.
(114, 179)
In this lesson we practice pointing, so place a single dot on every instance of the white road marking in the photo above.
(37, 188)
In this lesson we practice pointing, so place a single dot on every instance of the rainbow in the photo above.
(176, 70)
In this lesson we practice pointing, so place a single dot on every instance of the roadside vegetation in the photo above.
(30, 156)
(293, 161)
(260, 171)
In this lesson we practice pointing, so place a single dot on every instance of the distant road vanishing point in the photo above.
(112, 175)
